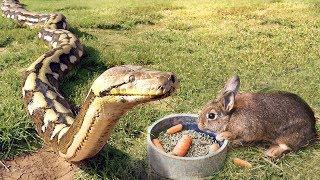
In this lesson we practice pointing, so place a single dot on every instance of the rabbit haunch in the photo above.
(281, 118)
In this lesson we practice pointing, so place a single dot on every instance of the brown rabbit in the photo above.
(281, 118)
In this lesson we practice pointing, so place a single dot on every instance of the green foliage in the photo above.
(272, 45)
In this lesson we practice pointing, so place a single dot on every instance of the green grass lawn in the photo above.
(270, 44)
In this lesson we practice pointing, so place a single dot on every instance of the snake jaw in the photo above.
(166, 94)
(136, 99)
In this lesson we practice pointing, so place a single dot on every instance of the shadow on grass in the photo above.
(5, 41)
(91, 61)
(81, 34)
(70, 8)
(124, 26)
(112, 163)
(83, 74)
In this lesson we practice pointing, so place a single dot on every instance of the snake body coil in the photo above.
(79, 135)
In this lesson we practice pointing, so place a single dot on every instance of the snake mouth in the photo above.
(145, 97)
(166, 94)
(142, 98)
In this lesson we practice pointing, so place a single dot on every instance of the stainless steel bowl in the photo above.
(164, 165)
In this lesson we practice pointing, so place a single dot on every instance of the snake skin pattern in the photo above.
(79, 135)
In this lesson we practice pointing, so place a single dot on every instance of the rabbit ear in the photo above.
(228, 100)
(232, 85)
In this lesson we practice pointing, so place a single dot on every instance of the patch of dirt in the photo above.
(42, 164)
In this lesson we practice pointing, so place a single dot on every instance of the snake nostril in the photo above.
(173, 78)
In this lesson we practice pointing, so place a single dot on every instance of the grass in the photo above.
(272, 45)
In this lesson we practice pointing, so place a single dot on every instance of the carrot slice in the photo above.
(214, 147)
(182, 146)
(175, 129)
(242, 163)
(158, 144)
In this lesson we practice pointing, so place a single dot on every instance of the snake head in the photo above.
(134, 84)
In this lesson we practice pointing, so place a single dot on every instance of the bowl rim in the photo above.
(149, 141)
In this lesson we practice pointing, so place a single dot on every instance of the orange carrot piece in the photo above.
(214, 147)
(175, 129)
(182, 146)
(242, 163)
(158, 144)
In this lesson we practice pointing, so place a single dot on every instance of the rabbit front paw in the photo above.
(277, 150)
(225, 135)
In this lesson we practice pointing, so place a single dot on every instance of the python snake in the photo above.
(78, 135)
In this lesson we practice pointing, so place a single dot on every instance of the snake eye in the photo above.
(131, 78)
(212, 116)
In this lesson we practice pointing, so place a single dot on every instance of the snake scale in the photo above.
(77, 135)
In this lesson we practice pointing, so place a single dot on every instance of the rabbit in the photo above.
(281, 118)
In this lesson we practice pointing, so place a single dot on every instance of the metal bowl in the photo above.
(164, 165)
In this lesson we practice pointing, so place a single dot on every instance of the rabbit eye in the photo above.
(211, 116)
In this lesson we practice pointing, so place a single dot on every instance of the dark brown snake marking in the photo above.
(79, 136)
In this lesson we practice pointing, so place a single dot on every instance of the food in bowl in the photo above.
(185, 141)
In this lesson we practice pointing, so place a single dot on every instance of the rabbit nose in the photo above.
(201, 126)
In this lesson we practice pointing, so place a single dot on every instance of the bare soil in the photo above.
(42, 164)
